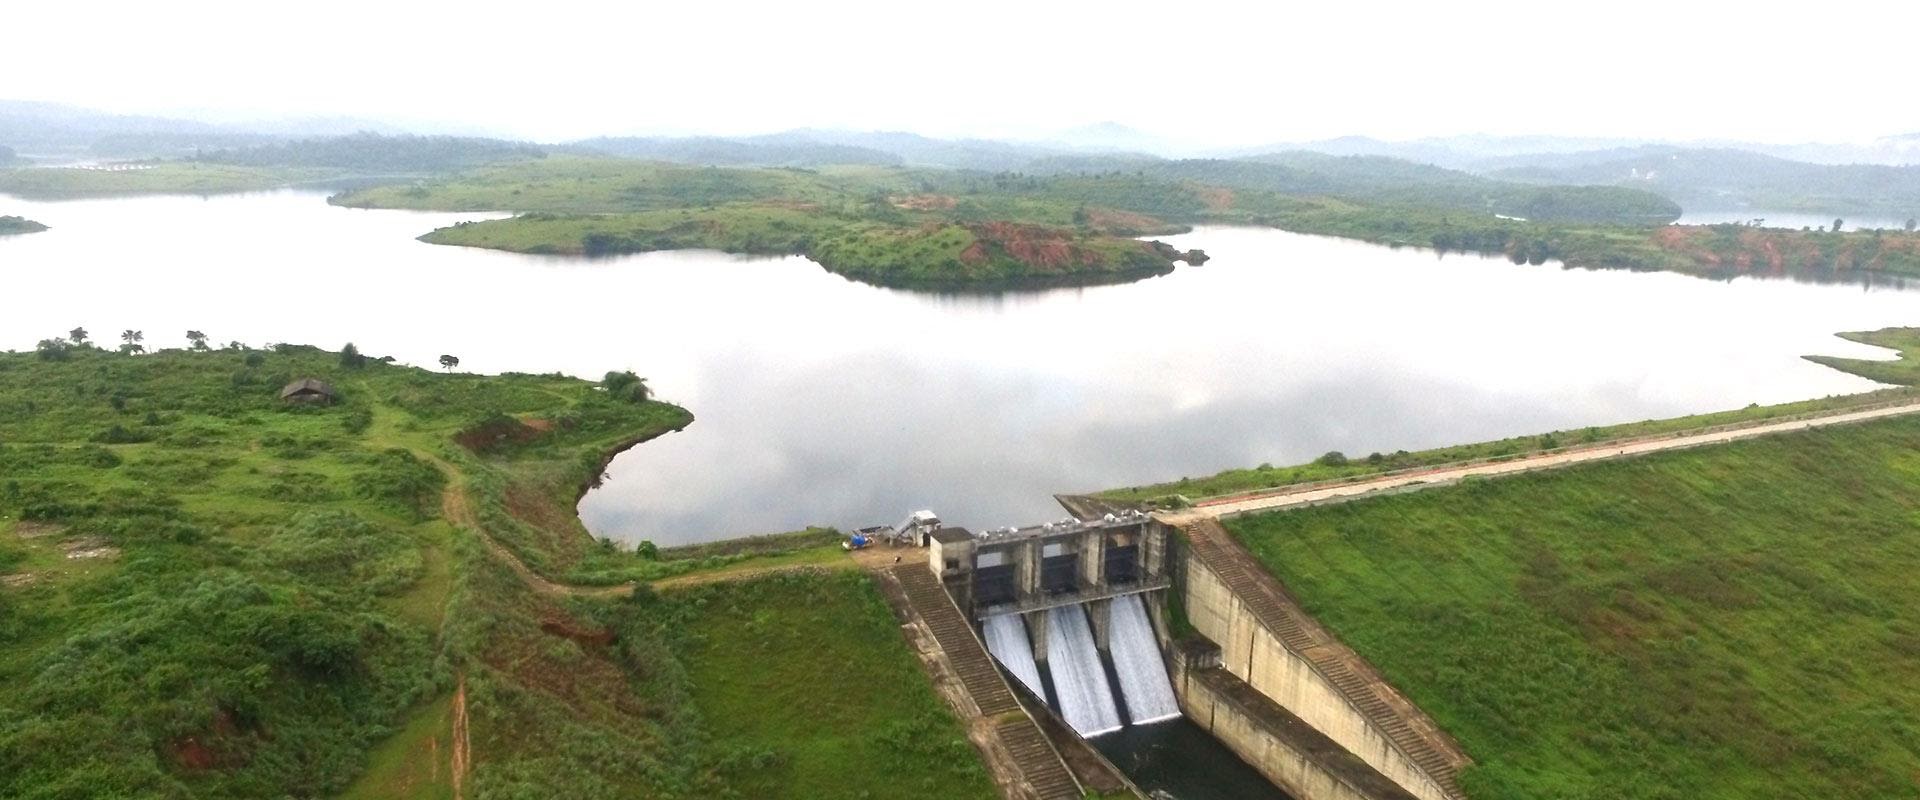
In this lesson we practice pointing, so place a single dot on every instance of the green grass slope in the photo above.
(806, 690)
(1729, 622)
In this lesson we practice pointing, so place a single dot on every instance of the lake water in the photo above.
(824, 401)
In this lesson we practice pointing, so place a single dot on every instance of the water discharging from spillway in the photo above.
(1079, 680)
(1137, 662)
(1007, 640)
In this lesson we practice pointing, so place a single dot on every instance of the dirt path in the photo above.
(459, 746)
(1236, 506)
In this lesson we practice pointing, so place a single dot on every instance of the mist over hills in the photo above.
(1875, 177)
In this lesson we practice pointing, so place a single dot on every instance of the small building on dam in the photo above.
(1082, 614)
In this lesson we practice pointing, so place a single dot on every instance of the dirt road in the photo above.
(1250, 504)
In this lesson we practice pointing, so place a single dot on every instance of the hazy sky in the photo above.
(1198, 71)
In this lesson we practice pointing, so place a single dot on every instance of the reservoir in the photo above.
(822, 401)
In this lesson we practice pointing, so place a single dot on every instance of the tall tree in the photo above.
(197, 340)
(130, 341)
(79, 335)
(449, 362)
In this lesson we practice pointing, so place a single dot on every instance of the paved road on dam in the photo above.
(1233, 506)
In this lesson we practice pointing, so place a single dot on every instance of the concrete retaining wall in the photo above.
(1285, 749)
(1255, 655)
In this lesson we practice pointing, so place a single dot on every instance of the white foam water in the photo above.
(1137, 661)
(1007, 641)
(1079, 681)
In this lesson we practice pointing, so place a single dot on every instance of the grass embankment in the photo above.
(166, 177)
(1726, 622)
(16, 225)
(1341, 467)
(205, 592)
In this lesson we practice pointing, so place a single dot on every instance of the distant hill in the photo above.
(1391, 181)
(62, 131)
(1723, 178)
(377, 153)
(761, 151)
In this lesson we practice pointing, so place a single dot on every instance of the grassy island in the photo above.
(208, 591)
(891, 224)
(17, 225)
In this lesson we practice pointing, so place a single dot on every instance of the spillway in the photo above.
(1137, 662)
(1007, 640)
(1079, 680)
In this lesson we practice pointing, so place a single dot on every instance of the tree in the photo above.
(351, 358)
(197, 341)
(130, 341)
(79, 335)
(627, 386)
(255, 358)
(1837, 223)
(449, 362)
(1912, 223)
(53, 350)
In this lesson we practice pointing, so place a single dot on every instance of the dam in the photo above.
(1079, 617)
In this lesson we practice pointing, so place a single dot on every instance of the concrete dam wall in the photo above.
(1288, 697)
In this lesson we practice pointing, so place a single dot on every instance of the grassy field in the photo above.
(167, 177)
(211, 593)
(17, 225)
(1728, 622)
(806, 690)
(205, 592)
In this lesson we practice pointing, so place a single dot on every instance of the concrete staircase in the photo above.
(1252, 584)
(1041, 767)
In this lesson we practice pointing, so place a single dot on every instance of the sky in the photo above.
(1198, 72)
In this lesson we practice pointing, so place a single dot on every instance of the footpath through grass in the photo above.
(1729, 622)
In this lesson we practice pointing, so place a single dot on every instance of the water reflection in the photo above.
(825, 401)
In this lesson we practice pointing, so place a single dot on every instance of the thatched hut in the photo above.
(308, 391)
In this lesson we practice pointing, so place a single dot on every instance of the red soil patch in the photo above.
(201, 751)
(1033, 245)
(556, 626)
(1122, 223)
(497, 433)
(1769, 251)
(1216, 198)
(924, 202)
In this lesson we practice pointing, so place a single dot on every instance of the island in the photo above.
(17, 225)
